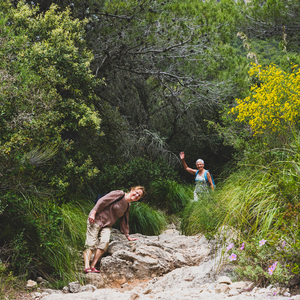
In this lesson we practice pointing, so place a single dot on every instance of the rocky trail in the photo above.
(169, 266)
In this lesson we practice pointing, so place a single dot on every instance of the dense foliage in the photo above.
(103, 95)
(46, 93)
(164, 85)
(272, 19)
(258, 201)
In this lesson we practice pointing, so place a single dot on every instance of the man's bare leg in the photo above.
(97, 256)
(87, 258)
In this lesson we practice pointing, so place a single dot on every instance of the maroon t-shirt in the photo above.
(109, 211)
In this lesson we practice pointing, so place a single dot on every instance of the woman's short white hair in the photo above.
(200, 161)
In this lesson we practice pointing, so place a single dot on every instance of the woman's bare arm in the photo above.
(185, 166)
(210, 181)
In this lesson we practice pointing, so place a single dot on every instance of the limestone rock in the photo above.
(31, 284)
(224, 279)
(36, 295)
(134, 296)
(233, 292)
(95, 279)
(87, 288)
(169, 267)
(262, 291)
(74, 287)
(39, 279)
(222, 288)
(150, 256)
(242, 285)
(44, 294)
(51, 291)
(174, 287)
(282, 290)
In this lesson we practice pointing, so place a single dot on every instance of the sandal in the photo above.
(94, 270)
(87, 270)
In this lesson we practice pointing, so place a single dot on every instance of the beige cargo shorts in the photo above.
(97, 237)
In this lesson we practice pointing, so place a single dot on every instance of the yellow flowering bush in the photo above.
(274, 100)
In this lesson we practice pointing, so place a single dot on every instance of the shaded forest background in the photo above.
(103, 95)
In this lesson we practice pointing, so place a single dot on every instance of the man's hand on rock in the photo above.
(131, 239)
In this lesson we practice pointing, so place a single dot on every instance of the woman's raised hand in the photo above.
(181, 154)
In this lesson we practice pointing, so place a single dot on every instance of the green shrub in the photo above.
(139, 171)
(63, 243)
(258, 195)
(202, 216)
(61, 235)
(262, 202)
(260, 260)
(45, 239)
(145, 220)
(170, 196)
(251, 204)
(7, 280)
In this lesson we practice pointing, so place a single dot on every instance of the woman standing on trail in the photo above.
(202, 177)
(102, 217)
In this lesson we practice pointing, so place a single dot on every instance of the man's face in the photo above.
(136, 195)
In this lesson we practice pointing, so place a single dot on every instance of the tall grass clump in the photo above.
(262, 202)
(7, 282)
(259, 193)
(61, 234)
(202, 216)
(170, 196)
(252, 201)
(45, 239)
(146, 220)
(65, 252)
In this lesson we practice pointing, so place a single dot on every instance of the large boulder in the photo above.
(169, 267)
(149, 256)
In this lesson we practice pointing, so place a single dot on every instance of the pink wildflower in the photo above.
(230, 246)
(243, 246)
(262, 242)
(272, 268)
(232, 257)
(270, 271)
